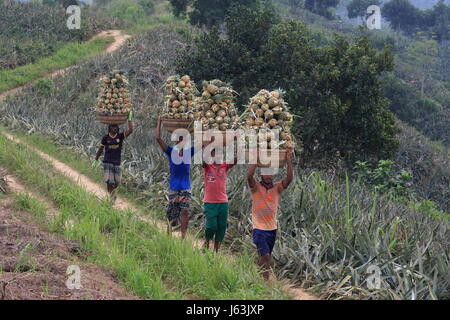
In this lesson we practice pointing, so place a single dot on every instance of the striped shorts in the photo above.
(112, 173)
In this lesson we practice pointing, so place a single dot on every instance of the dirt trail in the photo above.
(16, 186)
(119, 40)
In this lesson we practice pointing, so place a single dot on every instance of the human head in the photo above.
(113, 128)
(267, 174)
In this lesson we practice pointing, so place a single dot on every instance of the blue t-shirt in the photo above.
(180, 168)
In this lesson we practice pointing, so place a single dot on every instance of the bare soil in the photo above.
(33, 263)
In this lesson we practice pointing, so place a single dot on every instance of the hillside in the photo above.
(333, 226)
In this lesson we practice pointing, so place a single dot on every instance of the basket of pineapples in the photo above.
(178, 111)
(216, 110)
(113, 101)
(268, 116)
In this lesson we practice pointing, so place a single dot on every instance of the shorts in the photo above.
(178, 200)
(112, 173)
(264, 240)
(216, 220)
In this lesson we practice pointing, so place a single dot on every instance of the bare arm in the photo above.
(160, 141)
(290, 171)
(250, 177)
(130, 129)
(99, 153)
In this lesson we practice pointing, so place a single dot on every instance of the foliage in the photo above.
(69, 54)
(358, 8)
(208, 13)
(321, 7)
(44, 86)
(42, 31)
(383, 177)
(406, 17)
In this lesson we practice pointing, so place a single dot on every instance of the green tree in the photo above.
(424, 55)
(402, 15)
(207, 12)
(358, 8)
(321, 7)
(179, 7)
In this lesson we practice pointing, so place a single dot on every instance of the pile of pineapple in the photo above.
(215, 107)
(267, 111)
(180, 96)
(113, 97)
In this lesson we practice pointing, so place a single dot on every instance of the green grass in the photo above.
(147, 261)
(28, 203)
(68, 55)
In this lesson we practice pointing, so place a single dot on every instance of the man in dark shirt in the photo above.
(112, 145)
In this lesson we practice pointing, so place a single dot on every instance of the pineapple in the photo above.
(180, 95)
(113, 94)
(216, 109)
(267, 110)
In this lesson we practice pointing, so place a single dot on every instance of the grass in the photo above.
(28, 203)
(148, 262)
(68, 55)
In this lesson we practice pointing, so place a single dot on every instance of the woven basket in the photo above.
(120, 118)
(282, 159)
(173, 124)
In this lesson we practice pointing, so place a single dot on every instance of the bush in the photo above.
(44, 86)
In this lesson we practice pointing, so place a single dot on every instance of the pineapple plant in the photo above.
(113, 97)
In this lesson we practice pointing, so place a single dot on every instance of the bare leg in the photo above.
(264, 263)
(217, 246)
(184, 222)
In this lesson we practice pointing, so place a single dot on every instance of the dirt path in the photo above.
(119, 40)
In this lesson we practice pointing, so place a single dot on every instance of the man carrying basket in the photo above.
(112, 145)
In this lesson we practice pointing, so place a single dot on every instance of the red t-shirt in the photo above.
(215, 179)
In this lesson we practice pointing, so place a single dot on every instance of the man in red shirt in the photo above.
(215, 200)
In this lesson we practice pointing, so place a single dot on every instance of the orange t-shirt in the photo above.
(265, 206)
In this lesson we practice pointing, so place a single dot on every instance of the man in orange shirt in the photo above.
(265, 199)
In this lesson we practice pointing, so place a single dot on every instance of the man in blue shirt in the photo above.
(180, 181)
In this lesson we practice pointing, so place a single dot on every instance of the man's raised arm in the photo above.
(161, 142)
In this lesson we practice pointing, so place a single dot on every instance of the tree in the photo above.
(321, 7)
(358, 8)
(207, 12)
(179, 7)
(334, 89)
(402, 15)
